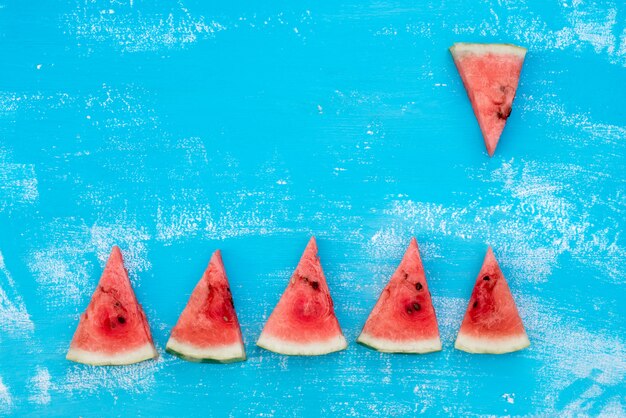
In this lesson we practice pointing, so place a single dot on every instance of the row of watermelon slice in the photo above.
(114, 330)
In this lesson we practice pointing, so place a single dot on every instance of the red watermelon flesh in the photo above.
(490, 73)
(113, 330)
(208, 328)
(403, 320)
(492, 323)
(304, 322)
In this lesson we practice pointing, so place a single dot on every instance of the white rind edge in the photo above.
(145, 352)
(224, 353)
(491, 345)
(460, 49)
(388, 346)
(292, 348)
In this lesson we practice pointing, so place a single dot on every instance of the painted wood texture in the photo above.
(174, 128)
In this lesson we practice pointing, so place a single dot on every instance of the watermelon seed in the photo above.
(417, 306)
(504, 113)
(475, 305)
(486, 278)
(406, 276)
(418, 286)
(225, 319)
(121, 320)
(315, 285)
(409, 311)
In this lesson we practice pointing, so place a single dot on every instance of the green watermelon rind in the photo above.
(196, 359)
(204, 360)
(294, 348)
(380, 346)
(459, 48)
(503, 345)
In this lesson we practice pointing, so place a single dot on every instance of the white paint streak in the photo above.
(135, 378)
(18, 182)
(62, 269)
(581, 361)
(535, 222)
(6, 401)
(261, 210)
(40, 386)
(131, 31)
(587, 132)
(14, 318)
(588, 25)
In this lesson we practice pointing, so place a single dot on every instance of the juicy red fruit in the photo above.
(303, 321)
(403, 319)
(113, 328)
(490, 74)
(491, 323)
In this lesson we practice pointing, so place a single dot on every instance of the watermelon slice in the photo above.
(208, 329)
(304, 322)
(403, 320)
(492, 323)
(490, 73)
(113, 330)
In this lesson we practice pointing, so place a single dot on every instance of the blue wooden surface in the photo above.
(179, 128)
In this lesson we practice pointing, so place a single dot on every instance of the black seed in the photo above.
(418, 286)
(417, 306)
(406, 276)
(475, 305)
(121, 319)
(232, 303)
(486, 278)
(504, 113)
(315, 285)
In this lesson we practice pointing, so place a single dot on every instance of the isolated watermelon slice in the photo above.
(304, 322)
(208, 329)
(492, 323)
(403, 320)
(113, 330)
(490, 73)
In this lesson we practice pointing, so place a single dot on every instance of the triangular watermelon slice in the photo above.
(492, 323)
(208, 329)
(403, 320)
(304, 322)
(490, 73)
(113, 330)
